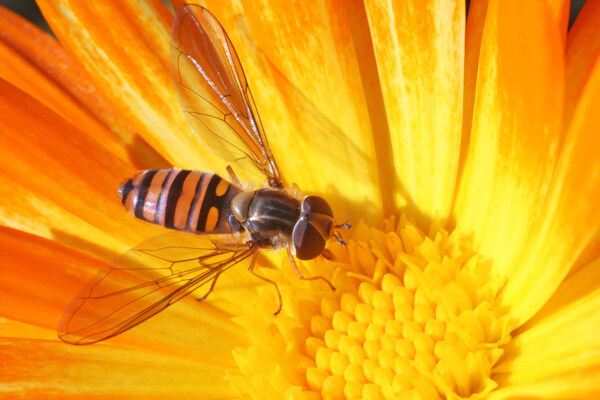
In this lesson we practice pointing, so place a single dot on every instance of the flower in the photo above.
(480, 138)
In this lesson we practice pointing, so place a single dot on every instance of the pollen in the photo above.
(412, 316)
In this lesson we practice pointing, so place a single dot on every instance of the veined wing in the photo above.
(144, 281)
(214, 93)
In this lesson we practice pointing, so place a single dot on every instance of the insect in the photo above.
(217, 223)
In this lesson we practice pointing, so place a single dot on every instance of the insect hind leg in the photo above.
(306, 278)
(251, 270)
(210, 289)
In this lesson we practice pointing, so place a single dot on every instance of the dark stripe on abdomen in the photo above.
(143, 192)
(173, 197)
(163, 192)
(191, 221)
(210, 200)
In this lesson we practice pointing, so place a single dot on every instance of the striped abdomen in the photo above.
(180, 199)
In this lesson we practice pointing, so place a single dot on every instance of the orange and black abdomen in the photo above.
(180, 199)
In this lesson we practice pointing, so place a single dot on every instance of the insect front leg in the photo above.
(233, 177)
(251, 270)
(301, 276)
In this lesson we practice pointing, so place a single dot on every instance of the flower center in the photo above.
(412, 317)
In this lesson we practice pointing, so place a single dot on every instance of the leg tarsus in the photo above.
(212, 286)
(301, 276)
(328, 254)
(251, 270)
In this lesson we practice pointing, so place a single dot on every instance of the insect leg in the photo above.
(301, 276)
(251, 270)
(212, 286)
(233, 177)
(295, 189)
(328, 254)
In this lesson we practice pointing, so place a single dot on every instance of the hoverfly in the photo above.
(217, 223)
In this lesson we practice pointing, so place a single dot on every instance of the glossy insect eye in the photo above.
(316, 205)
(308, 242)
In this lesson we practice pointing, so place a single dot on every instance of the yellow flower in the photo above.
(481, 137)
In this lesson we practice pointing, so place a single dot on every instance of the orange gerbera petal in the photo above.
(582, 54)
(419, 50)
(35, 293)
(34, 62)
(53, 370)
(54, 161)
(129, 66)
(515, 132)
(30, 266)
(474, 32)
(560, 11)
(570, 217)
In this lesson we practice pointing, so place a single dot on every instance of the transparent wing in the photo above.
(144, 281)
(214, 93)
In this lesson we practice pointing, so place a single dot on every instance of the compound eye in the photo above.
(308, 242)
(318, 205)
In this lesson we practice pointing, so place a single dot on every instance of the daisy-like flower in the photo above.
(467, 153)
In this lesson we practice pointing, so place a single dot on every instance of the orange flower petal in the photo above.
(515, 132)
(312, 74)
(129, 66)
(560, 10)
(34, 62)
(34, 213)
(52, 161)
(54, 370)
(419, 48)
(475, 24)
(582, 53)
(570, 216)
(34, 289)
(40, 278)
(473, 35)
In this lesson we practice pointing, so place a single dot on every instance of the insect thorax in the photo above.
(267, 214)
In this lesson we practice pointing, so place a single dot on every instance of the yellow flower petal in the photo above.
(419, 50)
(515, 131)
(553, 348)
(413, 314)
(311, 74)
